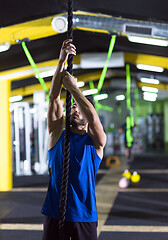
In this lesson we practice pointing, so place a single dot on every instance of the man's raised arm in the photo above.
(55, 109)
(95, 128)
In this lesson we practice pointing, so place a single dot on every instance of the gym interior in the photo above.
(121, 61)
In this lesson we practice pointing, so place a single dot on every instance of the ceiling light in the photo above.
(120, 97)
(149, 68)
(15, 98)
(151, 41)
(148, 98)
(90, 92)
(149, 89)
(4, 47)
(80, 84)
(101, 96)
(46, 74)
(149, 94)
(150, 80)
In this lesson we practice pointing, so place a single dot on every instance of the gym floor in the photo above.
(140, 211)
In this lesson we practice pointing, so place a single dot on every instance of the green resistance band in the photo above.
(129, 119)
(32, 63)
(128, 132)
(104, 107)
(91, 85)
(136, 104)
(103, 74)
(128, 83)
(102, 77)
(132, 116)
(99, 106)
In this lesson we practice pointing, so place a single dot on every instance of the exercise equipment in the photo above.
(30, 136)
(124, 182)
(112, 161)
(102, 77)
(135, 177)
(126, 174)
(125, 179)
(32, 63)
(129, 118)
(65, 172)
(21, 127)
(128, 178)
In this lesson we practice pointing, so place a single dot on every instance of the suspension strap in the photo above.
(129, 119)
(103, 74)
(32, 63)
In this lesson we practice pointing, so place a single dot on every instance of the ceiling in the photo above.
(94, 23)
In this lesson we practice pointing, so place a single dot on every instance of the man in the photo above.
(87, 141)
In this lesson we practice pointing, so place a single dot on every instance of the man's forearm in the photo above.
(85, 106)
(56, 83)
(90, 114)
(86, 109)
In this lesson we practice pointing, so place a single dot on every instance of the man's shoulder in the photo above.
(54, 137)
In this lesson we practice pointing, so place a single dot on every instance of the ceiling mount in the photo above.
(120, 25)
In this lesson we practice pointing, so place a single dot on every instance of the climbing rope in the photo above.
(65, 172)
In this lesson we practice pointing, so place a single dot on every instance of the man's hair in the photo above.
(90, 99)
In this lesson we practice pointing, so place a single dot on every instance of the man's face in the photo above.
(77, 118)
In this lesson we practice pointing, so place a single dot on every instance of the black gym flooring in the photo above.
(145, 205)
(142, 204)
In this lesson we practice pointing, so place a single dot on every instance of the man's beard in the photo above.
(81, 122)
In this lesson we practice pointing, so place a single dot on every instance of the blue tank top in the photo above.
(84, 164)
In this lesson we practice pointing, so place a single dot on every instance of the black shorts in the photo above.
(73, 230)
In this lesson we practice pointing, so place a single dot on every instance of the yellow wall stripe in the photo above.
(27, 71)
(129, 57)
(29, 90)
(135, 58)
